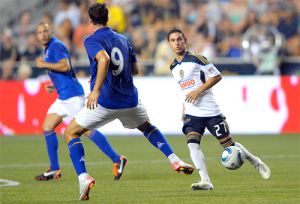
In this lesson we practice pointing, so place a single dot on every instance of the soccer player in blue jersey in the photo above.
(196, 76)
(113, 96)
(70, 101)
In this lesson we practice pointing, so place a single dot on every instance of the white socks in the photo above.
(173, 158)
(199, 160)
(252, 159)
(82, 177)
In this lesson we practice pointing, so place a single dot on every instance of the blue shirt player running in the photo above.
(113, 96)
(70, 101)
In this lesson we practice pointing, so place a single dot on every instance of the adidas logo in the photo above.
(160, 144)
(82, 159)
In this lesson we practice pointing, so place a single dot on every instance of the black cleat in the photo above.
(49, 174)
(119, 167)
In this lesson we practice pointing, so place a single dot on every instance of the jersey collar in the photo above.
(51, 41)
(102, 30)
(183, 57)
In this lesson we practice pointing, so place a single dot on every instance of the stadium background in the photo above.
(254, 43)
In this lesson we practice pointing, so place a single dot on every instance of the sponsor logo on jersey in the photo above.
(181, 73)
(187, 83)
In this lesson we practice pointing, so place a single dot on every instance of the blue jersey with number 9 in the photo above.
(117, 90)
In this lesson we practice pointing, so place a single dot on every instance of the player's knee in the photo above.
(226, 141)
(144, 127)
(68, 135)
(46, 127)
(193, 137)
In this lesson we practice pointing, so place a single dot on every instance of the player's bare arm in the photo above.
(49, 88)
(103, 63)
(62, 66)
(135, 68)
(193, 95)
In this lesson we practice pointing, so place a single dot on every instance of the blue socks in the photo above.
(52, 147)
(100, 140)
(158, 140)
(77, 155)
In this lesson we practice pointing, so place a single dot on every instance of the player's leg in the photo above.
(51, 121)
(72, 136)
(100, 140)
(75, 105)
(219, 128)
(156, 138)
(193, 136)
(134, 117)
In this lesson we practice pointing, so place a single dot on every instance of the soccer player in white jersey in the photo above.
(196, 77)
(113, 96)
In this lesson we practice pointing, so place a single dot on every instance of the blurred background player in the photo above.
(113, 96)
(70, 101)
(196, 76)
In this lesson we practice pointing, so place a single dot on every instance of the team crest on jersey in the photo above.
(187, 120)
(181, 73)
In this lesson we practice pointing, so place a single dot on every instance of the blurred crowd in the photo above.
(214, 28)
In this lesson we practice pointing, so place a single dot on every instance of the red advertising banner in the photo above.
(252, 105)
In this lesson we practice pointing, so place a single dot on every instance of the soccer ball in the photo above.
(232, 157)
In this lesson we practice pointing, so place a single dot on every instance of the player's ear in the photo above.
(90, 20)
(185, 40)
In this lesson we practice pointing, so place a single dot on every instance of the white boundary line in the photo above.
(8, 183)
(142, 161)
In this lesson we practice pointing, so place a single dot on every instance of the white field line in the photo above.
(142, 161)
(4, 182)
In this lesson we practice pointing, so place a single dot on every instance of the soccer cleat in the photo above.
(85, 187)
(202, 185)
(119, 167)
(49, 174)
(263, 169)
(181, 166)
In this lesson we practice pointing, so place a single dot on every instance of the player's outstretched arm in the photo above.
(135, 68)
(103, 62)
(62, 65)
(193, 95)
(49, 88)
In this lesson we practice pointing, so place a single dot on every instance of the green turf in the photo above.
(149, 177)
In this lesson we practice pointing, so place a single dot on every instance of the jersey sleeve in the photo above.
(132, 53)
(210, 70)
(92, 47)
(60, 52)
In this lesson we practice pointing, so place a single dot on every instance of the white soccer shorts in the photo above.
(67, 108)
(95, 118)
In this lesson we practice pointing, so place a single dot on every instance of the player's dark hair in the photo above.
(98, 13)
(176, 30)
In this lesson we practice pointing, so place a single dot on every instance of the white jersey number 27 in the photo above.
(118, 62)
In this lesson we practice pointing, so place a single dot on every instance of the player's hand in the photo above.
(90, 79)
(39, 62)
(49, 88)
(192, 96)
(92, 99)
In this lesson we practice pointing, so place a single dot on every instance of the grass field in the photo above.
(149, 177)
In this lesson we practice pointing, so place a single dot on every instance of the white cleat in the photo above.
(85, 187)
(202, 185)
(263, 169)
(181, 166)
